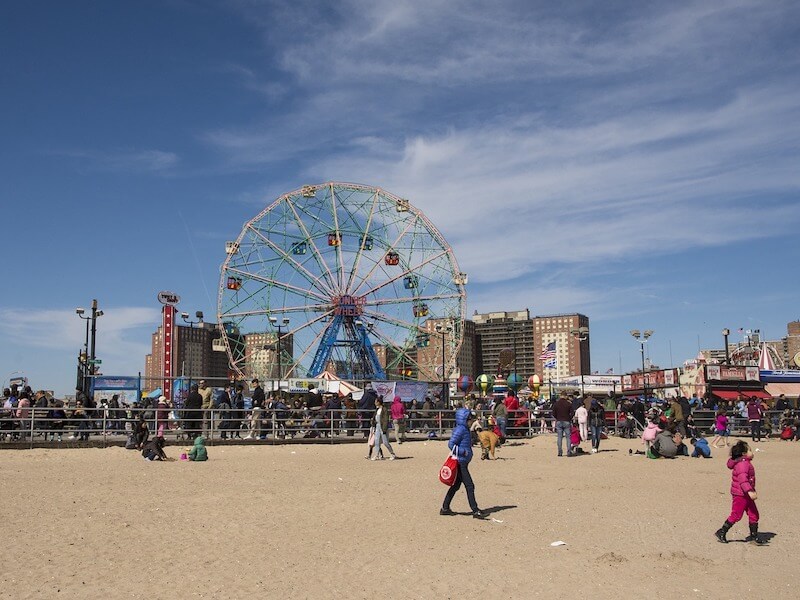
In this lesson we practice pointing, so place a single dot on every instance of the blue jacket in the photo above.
(461, 437)
(701, 448)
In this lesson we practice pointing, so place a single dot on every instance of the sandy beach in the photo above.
(303, 521)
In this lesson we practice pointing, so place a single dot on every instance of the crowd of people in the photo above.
(229, 415)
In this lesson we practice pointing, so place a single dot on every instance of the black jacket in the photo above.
(258, 397)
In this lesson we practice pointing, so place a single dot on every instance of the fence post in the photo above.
(211, 419)
(33, 410)
(105, 423)
(331, 432)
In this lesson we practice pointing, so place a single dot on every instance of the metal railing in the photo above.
(110, 426)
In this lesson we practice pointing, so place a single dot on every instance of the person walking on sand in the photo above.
(562, 415)
(461, 442)
(582, 416)
(380, 420)
(743, 493)
(720, 429)
(597, 420)
(398, 411)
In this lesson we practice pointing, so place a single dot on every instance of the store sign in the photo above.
(731, 373)
(168, 298)
(652, 379)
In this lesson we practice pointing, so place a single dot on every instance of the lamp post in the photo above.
(725, 333)
(642, 337)
(512, 334)
(90, 356)
(185, 316)
(83, 366)
(581, 334)
(279, 325)
(444, 330)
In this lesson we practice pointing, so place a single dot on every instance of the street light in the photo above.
(444, 330)
(185, 316)
(725, 333)
(642, 337)
(581, 334)
(83, 365)
(90, 360)
(512, 334)
(283, 323)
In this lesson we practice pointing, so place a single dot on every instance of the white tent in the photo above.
(334, 385)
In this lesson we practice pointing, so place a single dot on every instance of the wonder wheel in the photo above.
(343, 278)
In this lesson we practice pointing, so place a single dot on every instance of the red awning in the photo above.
(726, 394)
(734, 394)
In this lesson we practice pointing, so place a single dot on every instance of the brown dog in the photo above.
(488, 440)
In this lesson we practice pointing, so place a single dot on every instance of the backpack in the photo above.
(787, 433)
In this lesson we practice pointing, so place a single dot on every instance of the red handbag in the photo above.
(447, 474)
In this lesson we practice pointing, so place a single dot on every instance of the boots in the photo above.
(723, 531)
(753, 537)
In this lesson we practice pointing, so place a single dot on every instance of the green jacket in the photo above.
(198, 452)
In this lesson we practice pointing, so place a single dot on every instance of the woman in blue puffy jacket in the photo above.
(460, 439)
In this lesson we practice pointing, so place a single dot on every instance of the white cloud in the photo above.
(62, 330)
(123, 161)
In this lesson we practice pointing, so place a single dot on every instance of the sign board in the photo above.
(298, 386)
(731, 373)
(786, 376)
(168, 298)
(653, 379)
(96, 361)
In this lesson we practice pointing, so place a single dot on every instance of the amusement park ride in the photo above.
(358, 271)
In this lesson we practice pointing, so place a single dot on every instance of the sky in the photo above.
(636, 162)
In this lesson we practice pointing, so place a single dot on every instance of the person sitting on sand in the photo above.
(198, 453)
(154, 449)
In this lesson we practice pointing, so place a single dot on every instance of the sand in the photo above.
(303, 521)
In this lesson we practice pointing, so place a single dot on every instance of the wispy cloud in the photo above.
(124, 161)
(556, 137)
(61, 330)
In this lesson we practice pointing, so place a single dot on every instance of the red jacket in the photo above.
(512, 403)
(743, 476)
(398, 410)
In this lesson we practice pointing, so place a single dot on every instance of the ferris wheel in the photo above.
(344, 278)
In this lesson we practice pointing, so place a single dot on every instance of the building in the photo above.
(504, 343)
(571, 353)
(195, 356)
(261, 356)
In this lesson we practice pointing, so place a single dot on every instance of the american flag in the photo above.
(549, 353)
(550, 364)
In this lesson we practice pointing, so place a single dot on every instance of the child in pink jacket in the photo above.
(743, 492)
(649, 434)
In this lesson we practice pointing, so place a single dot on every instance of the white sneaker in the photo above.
(594, 450)
(392, 457)
(375, 458)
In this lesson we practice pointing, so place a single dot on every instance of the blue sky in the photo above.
(633, 161)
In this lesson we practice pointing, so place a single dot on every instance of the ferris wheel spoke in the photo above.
(407, 325)
(313, 343)
(312, 279)
(284, 309)
(317, 254)
(407, 299)
(356, 291)
(279, 284)
(404, 273)
(338, 249)
(362, 242)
